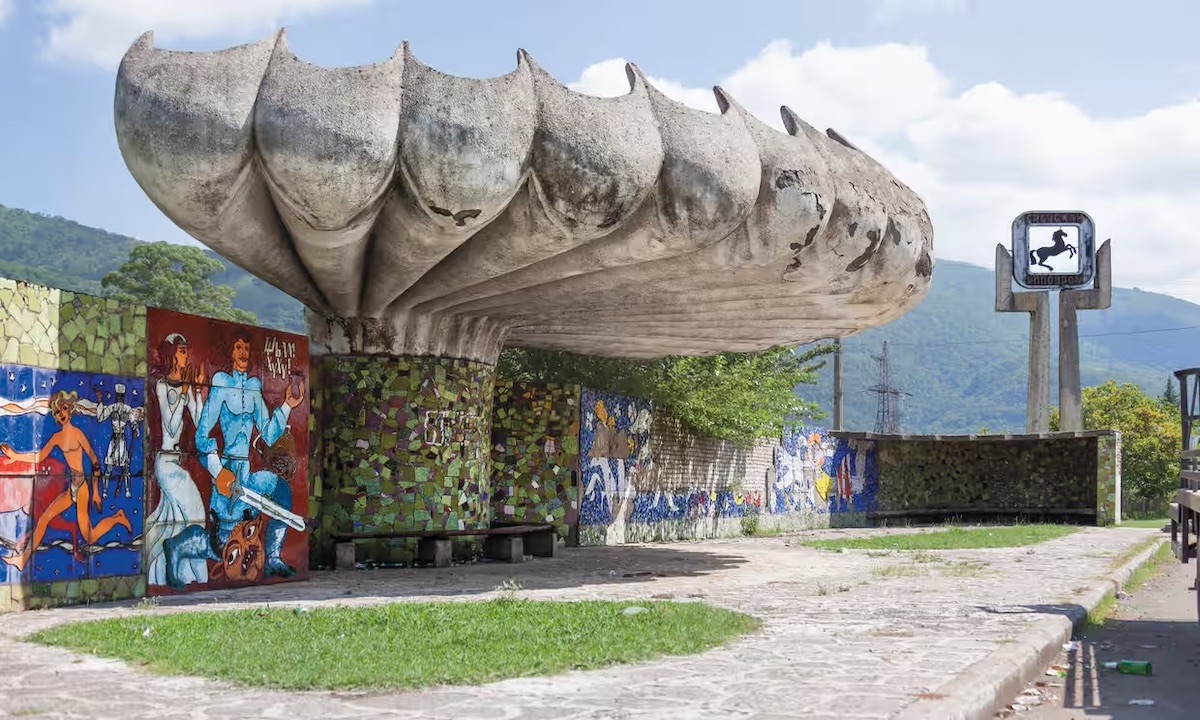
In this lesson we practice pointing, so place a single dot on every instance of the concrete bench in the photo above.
(507, 543)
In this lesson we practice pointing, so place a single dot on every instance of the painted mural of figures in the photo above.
(236, 405)
(73, 445)
(178, 392)
(124, 419)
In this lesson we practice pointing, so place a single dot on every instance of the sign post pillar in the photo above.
(1054, 251)
(1037, 304)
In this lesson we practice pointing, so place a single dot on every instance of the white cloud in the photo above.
(983, 155)
(6, 8)
(100, 31)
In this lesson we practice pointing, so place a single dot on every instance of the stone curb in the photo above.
(985, 687)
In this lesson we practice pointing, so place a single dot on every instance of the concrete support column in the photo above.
(1037, 304)
(1099, 297)
(837, 385)
(1037, 410)
(405, 445)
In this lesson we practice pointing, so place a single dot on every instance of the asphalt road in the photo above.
(1157, 623)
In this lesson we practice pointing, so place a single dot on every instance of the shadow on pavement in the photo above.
(575, 567)
(1172, 648)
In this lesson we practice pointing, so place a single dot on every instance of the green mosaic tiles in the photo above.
(1108, 478)
(404, 447)
(1056, 474)
(29, 327)
(43, 595)
(61, 330)
(535, 454)
(101, 335)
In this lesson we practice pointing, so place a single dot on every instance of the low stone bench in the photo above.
(507, 543)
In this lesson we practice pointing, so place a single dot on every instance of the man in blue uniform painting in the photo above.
(235, 404)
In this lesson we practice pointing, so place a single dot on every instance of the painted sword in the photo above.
(270, 507)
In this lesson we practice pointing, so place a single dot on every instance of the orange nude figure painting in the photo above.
(72, 444)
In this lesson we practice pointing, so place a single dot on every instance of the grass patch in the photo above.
(965, 568)
(893, 571)
(404, 645)
(752, 528)
(1148, 570)
(953, 539)
(1152, 523)
(1121, 560)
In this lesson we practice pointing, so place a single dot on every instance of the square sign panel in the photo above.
(1054, 250)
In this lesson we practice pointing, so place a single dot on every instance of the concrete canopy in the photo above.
(417, 213)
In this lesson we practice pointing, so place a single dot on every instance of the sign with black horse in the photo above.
(1054, 250)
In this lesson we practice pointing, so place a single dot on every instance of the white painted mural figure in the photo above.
(180, 504)
(123, 419)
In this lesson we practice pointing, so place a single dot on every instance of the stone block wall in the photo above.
(685, 461)
(1058, 475)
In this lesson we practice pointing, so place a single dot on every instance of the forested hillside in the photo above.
(61, 253)
(964, 365)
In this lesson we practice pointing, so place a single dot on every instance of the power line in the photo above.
(863, 348)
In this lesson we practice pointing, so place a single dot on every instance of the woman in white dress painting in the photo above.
(178, 390)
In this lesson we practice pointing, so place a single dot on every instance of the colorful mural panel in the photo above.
(71, 475)
(228, 430)
(614, 438)
(817, 473)
(535, 454)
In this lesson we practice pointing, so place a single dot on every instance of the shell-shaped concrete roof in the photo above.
(416, 212)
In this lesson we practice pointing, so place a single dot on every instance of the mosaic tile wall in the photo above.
(71, 524)
(1108, 479)
(1068, 475)
(51, 328)
(614, 443)
(405, 447)
(821, 481)
(535, 455)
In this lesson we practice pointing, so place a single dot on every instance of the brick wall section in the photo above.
(685, 461)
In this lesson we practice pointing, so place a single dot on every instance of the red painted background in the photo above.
(277, 359)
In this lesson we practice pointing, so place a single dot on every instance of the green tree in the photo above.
(1150, 436)
(741, 397)
(1170, 394)
(175, 277)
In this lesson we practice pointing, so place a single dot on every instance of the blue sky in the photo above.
(985, 108)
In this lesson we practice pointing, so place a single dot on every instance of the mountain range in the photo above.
(961, 366)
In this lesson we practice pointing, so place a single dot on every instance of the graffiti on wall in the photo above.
(535, 454)
(228, 432)
(614, 438)
(816, 473)
(71, 475)
(659, 506)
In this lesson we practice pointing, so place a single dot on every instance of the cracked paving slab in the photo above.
(845, 634)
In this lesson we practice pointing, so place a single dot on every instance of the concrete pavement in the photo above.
(846, 635)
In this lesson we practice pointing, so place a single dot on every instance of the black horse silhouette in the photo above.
(1060, 246)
